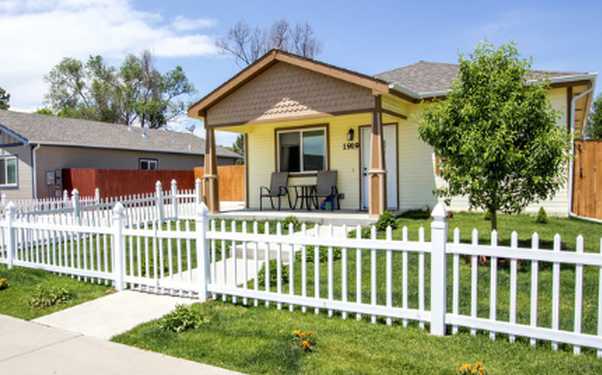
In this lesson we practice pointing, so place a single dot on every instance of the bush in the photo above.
(476, 368)
(310, 252)
(417, 214)
(385, 220)
(291, 220)
(3, 283)
(182, 319)
(542, 216)
(274, 273)
(47, 296)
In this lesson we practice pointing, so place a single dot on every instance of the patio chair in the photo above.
(278, 188)
(326, 187)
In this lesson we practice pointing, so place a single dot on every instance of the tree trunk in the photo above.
(493, 217)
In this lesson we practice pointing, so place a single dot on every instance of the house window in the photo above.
(8, 171)
(302, 150)
(148, 164)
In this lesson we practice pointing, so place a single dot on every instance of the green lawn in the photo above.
(258, 340)
(15, 299)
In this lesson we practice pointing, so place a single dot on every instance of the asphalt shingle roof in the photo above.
(427, 77)
(52, 130)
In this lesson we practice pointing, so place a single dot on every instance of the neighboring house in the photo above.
(301, 115)
(35, 148)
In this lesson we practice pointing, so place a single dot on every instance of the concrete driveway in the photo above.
(32, 348)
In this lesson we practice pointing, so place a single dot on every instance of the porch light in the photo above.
(350, 134)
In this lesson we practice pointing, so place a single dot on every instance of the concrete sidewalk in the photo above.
(112, 314)
(28, 348)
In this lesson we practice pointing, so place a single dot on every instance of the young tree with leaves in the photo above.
(239, 146)
(134, 93)
(594, 123)
(248, 44)
(496, 136)
(4, 99)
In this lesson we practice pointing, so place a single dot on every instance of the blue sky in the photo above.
(369, 37)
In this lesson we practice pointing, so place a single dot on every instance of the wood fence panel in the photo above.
(587, 189)
(231, 181)
(121, 182)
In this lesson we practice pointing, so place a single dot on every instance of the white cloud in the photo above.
(36, 34)
(188, 24)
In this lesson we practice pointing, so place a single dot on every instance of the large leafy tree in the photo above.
(134, 93)
(594, 126)
(496, 135)
(4, 99)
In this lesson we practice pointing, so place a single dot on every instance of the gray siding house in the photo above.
(35, 148)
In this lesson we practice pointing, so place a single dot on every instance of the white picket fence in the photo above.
(362, 277)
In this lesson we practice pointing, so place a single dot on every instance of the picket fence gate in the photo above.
(202, 258)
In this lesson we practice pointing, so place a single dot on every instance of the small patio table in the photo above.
(304, 194)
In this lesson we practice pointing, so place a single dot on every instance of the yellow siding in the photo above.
(261, 143)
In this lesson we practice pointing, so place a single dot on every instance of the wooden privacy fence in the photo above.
(351, 276)
(231, 181)
(587, 188)
(121, 182)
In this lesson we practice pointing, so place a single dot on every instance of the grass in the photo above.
(258, 340)
(15, 300)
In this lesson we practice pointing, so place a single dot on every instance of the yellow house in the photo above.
(303, 116)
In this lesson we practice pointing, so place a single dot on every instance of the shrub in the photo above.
(274, 273)
(542, 216)
(476, 368)
(385, 220)
(310, 252)
(291, 220)
(47, 296)
(306, 341)
(417, 214)
(3, 283)
(182, 319)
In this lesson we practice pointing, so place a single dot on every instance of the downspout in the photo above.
(34, 171)
(572, 152)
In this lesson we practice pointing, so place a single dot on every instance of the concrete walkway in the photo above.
(112, 314)
(28, 348)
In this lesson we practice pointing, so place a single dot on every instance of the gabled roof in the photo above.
(415, 82)
(51, 130)
(428, 79)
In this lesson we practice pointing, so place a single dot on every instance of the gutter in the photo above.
(34, 171)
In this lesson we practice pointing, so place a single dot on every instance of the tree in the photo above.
(495, 135)
(134, 93)
(247, 43)
(594, 123)
(239, 146)
(4, 99)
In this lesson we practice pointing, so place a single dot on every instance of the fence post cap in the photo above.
(198, 180)
(11, 206)
(118, 209)
(173, 181)
(439, 212)
(75, 192)
(158, 184)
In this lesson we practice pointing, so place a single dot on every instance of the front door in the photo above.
(390, 146)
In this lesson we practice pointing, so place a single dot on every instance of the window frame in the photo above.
(301, 130)
(12, 185)
(149, 161)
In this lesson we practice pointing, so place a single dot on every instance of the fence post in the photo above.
(174, 198)
(159, 199)
(97, 195)
(65, 198)
(118, 253)
(438, 270)
(76, 205)
(11, 234)
(198, 197)
(202, 248)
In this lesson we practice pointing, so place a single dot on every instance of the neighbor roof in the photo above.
(428, 79)
(51, 130)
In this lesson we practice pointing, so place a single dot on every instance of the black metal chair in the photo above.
(326, 186)
(278, 188)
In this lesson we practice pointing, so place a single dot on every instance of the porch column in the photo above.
(210, 188)
(377, 172)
